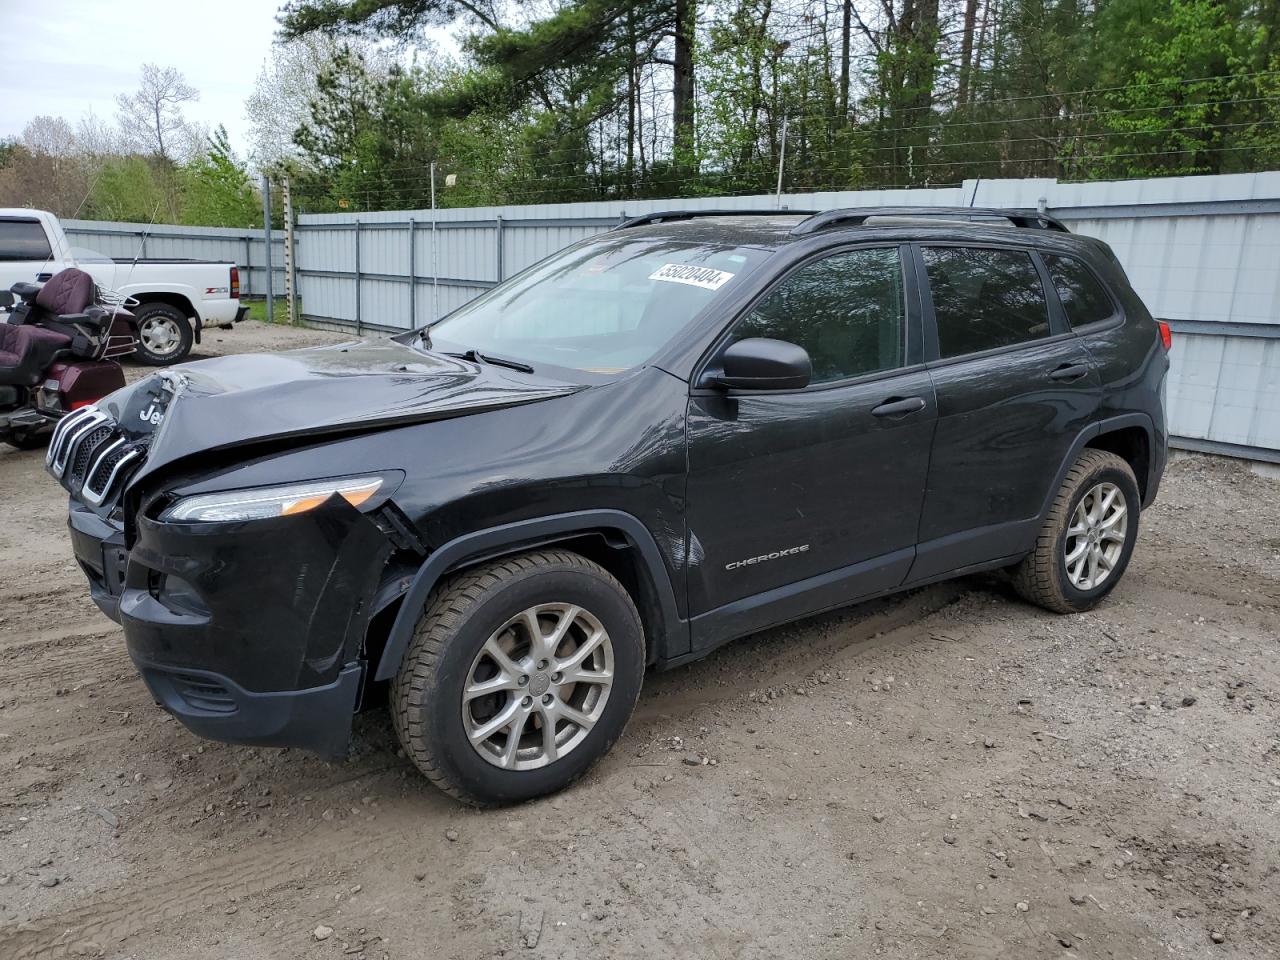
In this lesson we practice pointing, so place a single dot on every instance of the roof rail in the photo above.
(663, 216)
(856, 216)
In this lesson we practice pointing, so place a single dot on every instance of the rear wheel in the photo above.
(1086, 540)
(164, 334)
(521, 674)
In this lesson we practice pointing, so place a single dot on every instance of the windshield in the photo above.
(603, 306)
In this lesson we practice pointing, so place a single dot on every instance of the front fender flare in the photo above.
(674, 630)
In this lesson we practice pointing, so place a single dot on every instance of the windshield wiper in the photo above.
(475, 356)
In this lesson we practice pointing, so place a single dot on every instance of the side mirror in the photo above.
(760, 363)
(6, 299)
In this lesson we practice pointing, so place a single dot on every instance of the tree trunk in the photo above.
(159, 132)
(844, 60)
(979, 52)
(632, 97)
(682, 82)
(966, 51)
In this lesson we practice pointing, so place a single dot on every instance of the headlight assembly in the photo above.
(259, 503)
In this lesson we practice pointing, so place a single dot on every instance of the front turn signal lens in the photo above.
(260, 503)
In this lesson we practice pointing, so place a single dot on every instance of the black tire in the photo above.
(1042, 577)
(175, 323)
(461, 614)
(29, 441)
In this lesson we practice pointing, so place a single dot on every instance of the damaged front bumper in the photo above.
(247, 632)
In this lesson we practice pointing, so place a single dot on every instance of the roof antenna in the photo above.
(974, 196)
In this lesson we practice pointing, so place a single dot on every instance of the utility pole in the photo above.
(290, 261)
(266, 234)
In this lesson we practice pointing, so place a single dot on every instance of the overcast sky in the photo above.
(65, 57)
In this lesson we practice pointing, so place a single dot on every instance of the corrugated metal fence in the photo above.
(245, 247)
(1204, 253)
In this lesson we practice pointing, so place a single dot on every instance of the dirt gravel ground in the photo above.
(948, 774)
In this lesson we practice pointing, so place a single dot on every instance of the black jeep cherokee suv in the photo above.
(667, 436)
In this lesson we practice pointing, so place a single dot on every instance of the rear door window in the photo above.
(23, 240)
(984, 298)
(846, 310)
(1082, 296)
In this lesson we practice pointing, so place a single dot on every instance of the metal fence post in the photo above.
(358, 329)
(248, 264)
(498, 233)
(266, 233)
(413, 275)
(290, 262)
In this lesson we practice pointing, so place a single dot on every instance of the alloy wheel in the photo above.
(1096, 537)
(160, 335)
(538, 686)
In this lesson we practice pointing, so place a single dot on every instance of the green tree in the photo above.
(133, 189)
(1159, 121)
(216, 191)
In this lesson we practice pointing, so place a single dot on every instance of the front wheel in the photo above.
(164, 334)
(521, 674)
(1087, 538)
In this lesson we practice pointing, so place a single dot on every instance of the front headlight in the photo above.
(263, 502)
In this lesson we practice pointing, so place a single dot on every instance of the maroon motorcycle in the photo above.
(55, 353)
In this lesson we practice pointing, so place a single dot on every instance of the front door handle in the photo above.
(898, 407)
(1069, 372)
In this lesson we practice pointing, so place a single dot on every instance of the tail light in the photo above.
(235, 283)
(1166, 334)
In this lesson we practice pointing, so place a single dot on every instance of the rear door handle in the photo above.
(898, 407)
(1070, 371)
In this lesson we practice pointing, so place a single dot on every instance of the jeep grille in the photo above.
(89, 456)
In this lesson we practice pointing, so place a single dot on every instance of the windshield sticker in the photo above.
(704, 277)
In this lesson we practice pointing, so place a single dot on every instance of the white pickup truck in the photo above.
(176, 298)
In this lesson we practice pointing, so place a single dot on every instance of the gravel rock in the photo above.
(451, 835)
(322, 932)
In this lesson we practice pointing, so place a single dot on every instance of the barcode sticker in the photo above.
(705, 277)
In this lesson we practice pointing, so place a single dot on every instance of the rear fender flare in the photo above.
(1097, 429)
(672, 634)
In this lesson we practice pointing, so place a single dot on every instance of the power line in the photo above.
(547, 177)
(944, 122)
(546, 191)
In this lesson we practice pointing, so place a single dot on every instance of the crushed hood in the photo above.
(347, 387)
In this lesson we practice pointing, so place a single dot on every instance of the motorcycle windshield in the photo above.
(107, 273)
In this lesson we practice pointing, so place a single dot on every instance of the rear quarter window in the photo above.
(984, 298)
(23, 240)
(1083, 298)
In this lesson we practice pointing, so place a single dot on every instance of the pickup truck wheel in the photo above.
(1087, 537)
(520, 675)
(164, 334)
